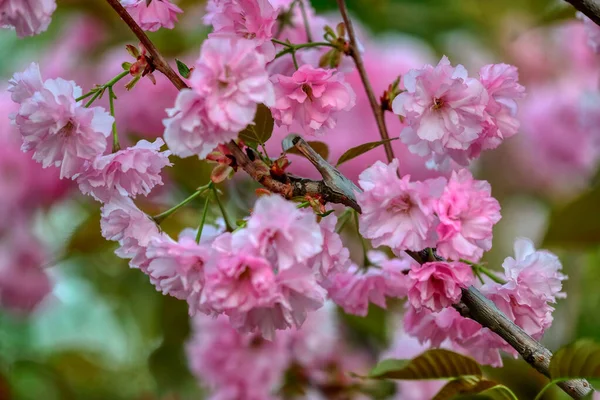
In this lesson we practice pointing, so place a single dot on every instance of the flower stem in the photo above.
(345, 217)
(305, 19)
(203, 219)
(99, 90)
(164, 215)
(227, 224)
(490, 274)
(96, 95)
(366, 261)
(115, 136)
(292, 48)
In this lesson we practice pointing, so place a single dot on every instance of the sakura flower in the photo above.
(592, 30)
(59, 130)
(437, 285)
(154, 15)
(334, 257)
(249, 19)
(311, 97)
(28, 17)
(240, 283)
(395, 211)
(24, 84)
(443, 107)
(235, 365)
(132, 171)
(355, 288)
(122, 221)
(280, 232)
(231, 77)
(467, 214)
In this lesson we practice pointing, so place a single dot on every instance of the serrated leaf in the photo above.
(183, 69)
(261, 129)
(358, 150)
(571, 226)
(432, 364)
(577, 360)
(320, 147)
(473, 387)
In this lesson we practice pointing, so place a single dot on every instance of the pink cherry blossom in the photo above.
(312, 97)
(437, 285)
(28, 17)
(395, 211)
(122, 221)
(467, 214)
(24, 84)
(593, 31)
(249, 19)
(151, 17)
(232, 79)
(240, 283)
(444, 108)
(280, 232)
(355, 288)
(59, 130)
(235, 365)
(129, 172)
(334, 257)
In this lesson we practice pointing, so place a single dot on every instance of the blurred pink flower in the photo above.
(151, 17)
(593, 31)
(282, 233)
(334, 257)
(129, 172)
(60, 130)
(312, 97)
(232, 78)
(437, 285)
(235, 365)
(23, 281)
(248, 19)
(467, 214)
(444, 109)
(122, 221)
(395, 211)
(28, 17)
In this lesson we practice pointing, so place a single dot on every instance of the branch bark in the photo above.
(591, 8)
(334, 189)
(360, 66)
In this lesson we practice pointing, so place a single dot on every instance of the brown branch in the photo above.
(157, 59)
(591, 8)
(360, 66)
(333, 189)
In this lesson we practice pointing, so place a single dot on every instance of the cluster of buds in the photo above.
(389, 95)
(333, 57)
(143, 65)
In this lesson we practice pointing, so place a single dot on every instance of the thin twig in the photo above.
(360, 66)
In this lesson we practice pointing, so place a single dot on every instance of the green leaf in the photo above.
(358, 150)
(183, 69)
(578, 360)
(261, 129)
(473, 387)
(571, 226)
(320, 147)
(432, 364)
(369, 330)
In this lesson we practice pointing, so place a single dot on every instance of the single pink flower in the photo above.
(254, 20)
(129, 172)
(437, 285)
(59, 130)
(28, 17)
(24, 84)
(467, 214)
(232, 80)
(282, 233)
(151, 17)
(235, 365)
(444, 108)
(334, 257)
(122, 221)
(311, 97)
(395, 211)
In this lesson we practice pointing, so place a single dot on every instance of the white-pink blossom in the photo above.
(27, 17)
(395, 211)
(129, 172)
(59, 130)
(437, 285)
(311, 97)
(467, 214)
(24, 84)
(153, 16)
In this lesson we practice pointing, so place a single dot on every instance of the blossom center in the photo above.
(401, 204)
(67, 130)
(437, 103)
(306, 88)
